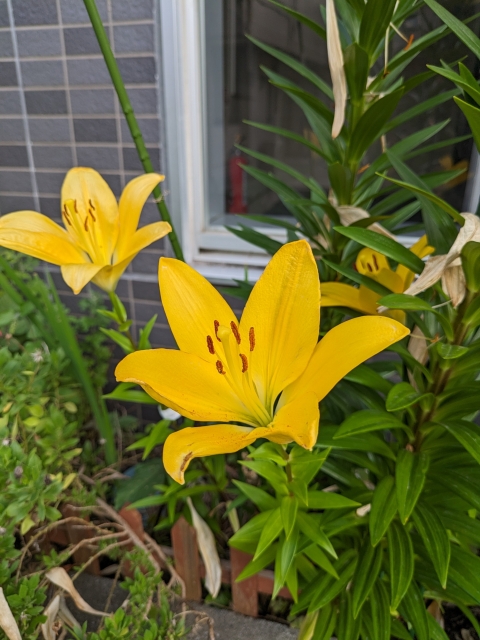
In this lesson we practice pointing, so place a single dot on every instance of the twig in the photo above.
(173, 572)
(102, 552)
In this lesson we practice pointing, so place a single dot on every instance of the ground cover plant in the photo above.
(356, 479)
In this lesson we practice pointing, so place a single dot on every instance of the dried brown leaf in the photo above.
(208, 551)
(59, 577)
(51, 612)
(337, 70)
(7, 621)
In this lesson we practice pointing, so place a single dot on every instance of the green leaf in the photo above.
(157, 436)
(366, 573)
(465, 34)
(368, 420)
(472, 114)
(296, 66)
(271, 531)
(317, 556)
(125, 392)
(468, 83)
(405, 302)
(357, 66)
(144, 342)
(413, 609)
(400, 552)
(311, 24)
(380, 611)
(326, 621)
(383, 245)
(268, 470)
(467, 433)
(285, 553)
(435, 630)
(384, 508)
(309, 527)
(286, 133)
(399, 631)
(375, 20)
(371, 124)
(256, 238)
(435, 538)
(370, 442)
(410, 475)
(471, 264)
(261, 498)
(348, 628)
(329, 500)
(142, 484)
(288, 509)
(401, 396)
(256, 565)
(122, 341)
(329, 588)
(366, 376)
(306, 465)
(246, 539)
(451, 351)
(465, 571)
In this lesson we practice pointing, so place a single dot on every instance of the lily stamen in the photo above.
(244, 362)
(235, 332)
(91, 204)
(216, 324)
(251, 337)
(210, 346)
(219, 366)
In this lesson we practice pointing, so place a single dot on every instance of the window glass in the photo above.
(238, 90)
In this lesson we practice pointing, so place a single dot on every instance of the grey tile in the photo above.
(4, 20)
(147, 260)
(8, 74)
(144, 100)
(9, 204)
(134, 38)
(74, 12)
(26, 12)
(49, 129)
(87, 71)
(51, 157)
(132, 163)
(145, 310)
(95, 130)
(10, 102)
(149, 127)
(46, 102)
(99, 158)
(15, 181)
(41, 42)
(13, 156)
(124, 10)
(80, 40)
(49, 182)
(146, 291)
(50, 207)
(89, 101)
(6, 46)
(12, 130)
(42, 73)
(114, 182)
(137, 70)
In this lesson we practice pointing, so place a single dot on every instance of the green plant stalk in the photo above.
(129, 113)
(128, 333)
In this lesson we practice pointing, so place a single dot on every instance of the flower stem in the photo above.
(129, 113)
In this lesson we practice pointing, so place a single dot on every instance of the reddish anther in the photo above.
(235, 332)
(220, 367)
(251, 337)
(210, 346)
(216, 324)
(91, 204)
(244, 362)
(85, 224)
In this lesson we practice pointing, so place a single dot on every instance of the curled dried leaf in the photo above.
(337, 70)
(349, 214)
(208, 551)
(60, 578)
(418, 348)
(51, 612)
(454, 283)
(7, 621)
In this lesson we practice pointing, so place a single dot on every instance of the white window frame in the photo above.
(212, 250)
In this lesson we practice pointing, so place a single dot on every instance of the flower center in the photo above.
(82, 226)
(234, 364)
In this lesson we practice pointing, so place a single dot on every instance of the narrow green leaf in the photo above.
(465, 34)
(435, 538)
(451, 351)
(384, 245)
(467, 433)
(368, 420)
(256, 238)
(380, 612)
(328, 500)
(366, 573)
(309, 527)
(246, 539)
(375, 20)
(348, 628)
(400, 552)
(257, 564)
(271, 531)
(317, 556)
(144, 342)
(288, 509)
(311, 24)
(261, 498)
(357, 66)
(399, 631)
(472, 114)
(329, 588)
(405, 302)
(410, 476)
(366, 376)
(384, 508)
(122, 341)
(435, 630)
(370, 442)
(469, 87)
(413, 609)
(285, 553)
(401, 396)
(124, 391)
(471, 268)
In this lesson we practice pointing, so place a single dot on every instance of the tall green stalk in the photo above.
(127, 109)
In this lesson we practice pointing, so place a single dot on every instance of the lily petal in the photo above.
(284, 311)
(192, 305)
(183, 446)
(342, 349)
(36, 235)
(337, 294)
(78, 275)
(295, 421)
(184, 382)
(139, 240)
(86, 187)
(130, 207)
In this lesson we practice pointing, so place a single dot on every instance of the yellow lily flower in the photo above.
(266, 373)
(374, 265)
(100, 238)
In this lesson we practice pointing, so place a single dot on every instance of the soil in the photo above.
(458, 626)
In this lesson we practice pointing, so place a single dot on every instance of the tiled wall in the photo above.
(58, 109)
